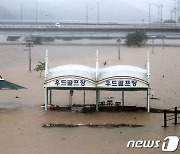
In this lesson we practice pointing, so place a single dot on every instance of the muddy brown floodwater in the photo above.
(21, 117)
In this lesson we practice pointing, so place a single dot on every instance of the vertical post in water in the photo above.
(46, 64)
(45, 78)
(119, 49)
(123, 100)
(148, 79)
(29, 45)
(165, 120)
(50, 97)
(29, 58)
(175, 116)
(97, 91)
(70, 98)
(84, 97)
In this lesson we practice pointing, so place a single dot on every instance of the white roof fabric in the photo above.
(72, 70)
(90, 73)
(123, 70)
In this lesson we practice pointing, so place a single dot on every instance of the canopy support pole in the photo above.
(70, 98)
(123, 100)
(46, 98)
(97, 91)
(148, 99)
(148, 78)
(50, 97)
(45, 78)
(97, 100)
(84, 98)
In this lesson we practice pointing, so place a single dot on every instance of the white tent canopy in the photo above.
(123, 70)
(72, 70)
(79, 77)
(111, 77)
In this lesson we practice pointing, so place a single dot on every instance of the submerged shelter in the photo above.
(114, 78)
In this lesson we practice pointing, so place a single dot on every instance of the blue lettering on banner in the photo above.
(82, 82)
(114, 83)
(57, 82)
(76, 82)
(134, 83)
(107, 83)
(121, 83)
(127, 83)
(70, 82)
(63, 82)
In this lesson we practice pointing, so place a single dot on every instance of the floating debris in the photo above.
(108, 125)
(155, 98)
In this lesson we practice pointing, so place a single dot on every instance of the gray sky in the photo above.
(140, 7)
(109, 10)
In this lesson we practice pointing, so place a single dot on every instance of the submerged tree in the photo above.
(136, 39)
(40, 67)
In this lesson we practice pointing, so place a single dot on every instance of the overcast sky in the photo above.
(142, 6)
(109, 10)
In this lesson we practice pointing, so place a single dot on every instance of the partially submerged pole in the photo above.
(152, 45)
(46, 64)
(30, 58)
(123, 100)
(29, 45)
(70, 98)
(175, 116)
(148, 79)
(84, 97)
(45, 78)
(97, 91)
(165, 118)
(50, 97)
(119, 49)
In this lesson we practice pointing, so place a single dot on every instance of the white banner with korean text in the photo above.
(70, 82)
(122, 83)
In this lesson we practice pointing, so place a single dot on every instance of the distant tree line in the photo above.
(169, 21)
(39, 40)
(13, 38)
